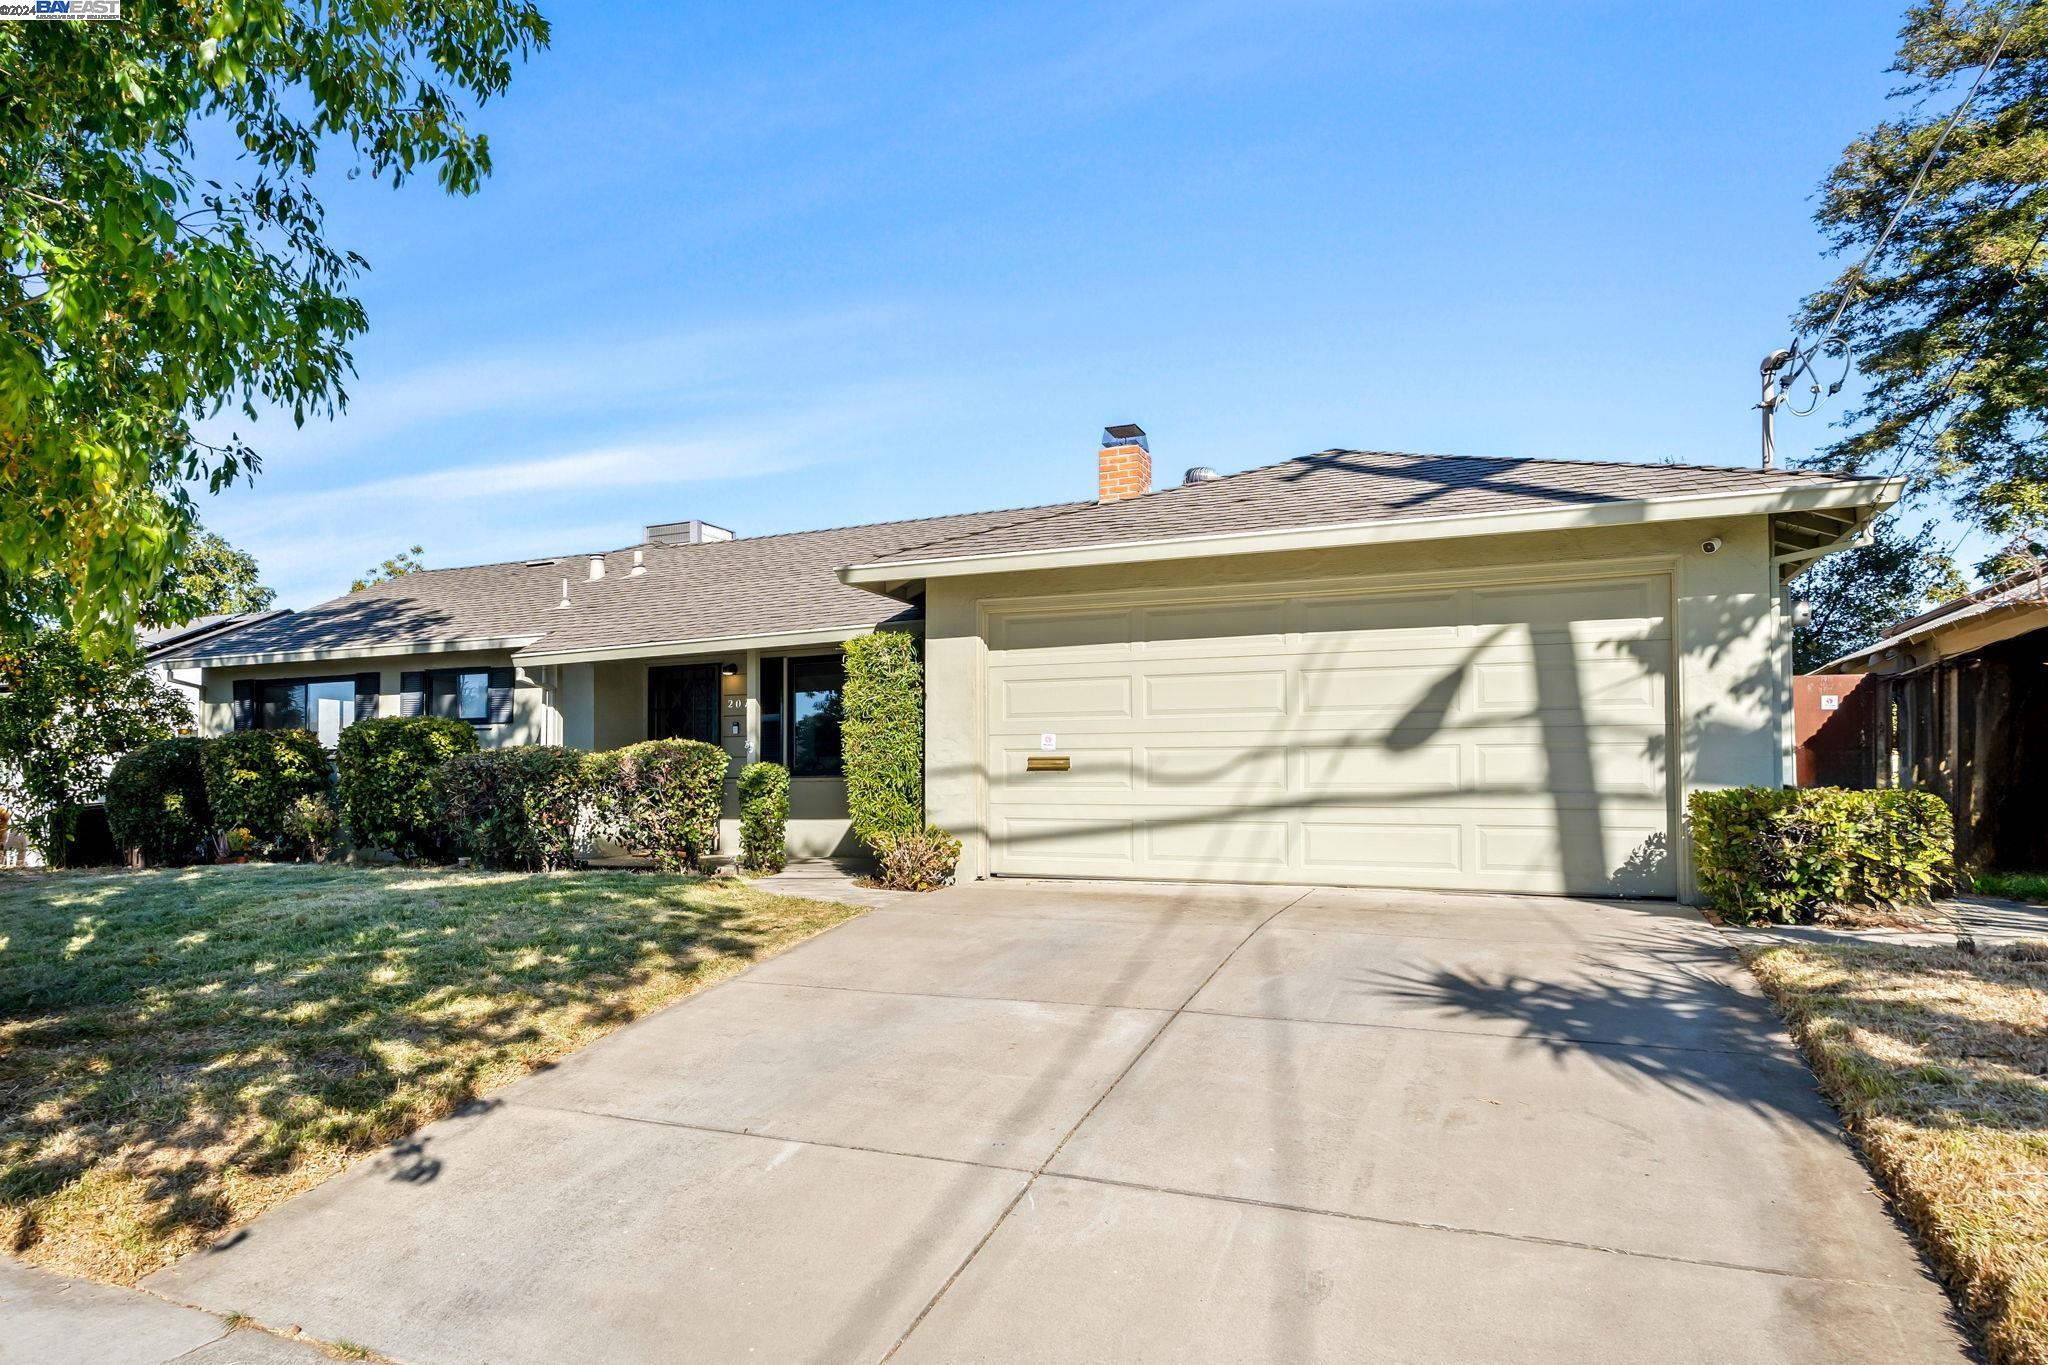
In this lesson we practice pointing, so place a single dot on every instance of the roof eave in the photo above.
(883, 575)
(705, 644)
(2016, 612)
(341, 652)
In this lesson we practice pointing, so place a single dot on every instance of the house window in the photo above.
(814, 711)
(326, 706)
(460, 695)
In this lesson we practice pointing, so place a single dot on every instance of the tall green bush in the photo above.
(883, 736)
(1785, 856)
(253, 776)
(663, 798)
(387, 781)
(527, 806)
(156, 801)
(764, 817)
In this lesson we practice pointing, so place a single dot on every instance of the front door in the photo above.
(682, 702)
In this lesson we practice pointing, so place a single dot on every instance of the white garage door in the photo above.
(1504, 736)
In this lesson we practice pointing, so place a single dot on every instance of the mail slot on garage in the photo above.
(1047, 763)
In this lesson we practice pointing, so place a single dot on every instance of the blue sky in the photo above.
(788, 267)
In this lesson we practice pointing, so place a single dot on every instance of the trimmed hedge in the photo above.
(883, 736)
(764, 817)
(1785, 856)
(253, 776)
(663, 798)
(387, 795)
(156, 802)
(522, 807)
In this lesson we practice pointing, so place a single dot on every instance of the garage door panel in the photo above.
(1242, 623)
(1095, 768)
(1050, 700)
(1199, 844)
(1387, 617)
(1368, 851)
(1217, 771)
(1502, 736)
(1594, 688)
(1205, 692)
(1576, 767)
(1632, 606)
(1377, 768)
(1103, 839)
(1075, 633)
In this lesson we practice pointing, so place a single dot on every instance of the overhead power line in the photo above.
(1784, 367)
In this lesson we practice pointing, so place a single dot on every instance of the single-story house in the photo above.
(1960, 696)
(1353, 667)
(160, 643)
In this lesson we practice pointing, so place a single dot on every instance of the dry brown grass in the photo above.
(181, 1050)
(1938, 1062)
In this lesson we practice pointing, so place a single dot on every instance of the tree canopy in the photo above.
(146, 285)
(398, 566)
(1853, 596)
(211, 578)
(1946, 322)
(64, 719)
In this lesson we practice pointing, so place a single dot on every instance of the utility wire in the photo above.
(1919, 177)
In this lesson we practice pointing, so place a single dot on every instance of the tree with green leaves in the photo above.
(65, 717)
(211, 578)
(146, 286)
(1945, 322)
(398, 566)
(1854, 595)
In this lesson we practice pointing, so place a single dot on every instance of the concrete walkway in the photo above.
(1095, 1122)
(55, 1320)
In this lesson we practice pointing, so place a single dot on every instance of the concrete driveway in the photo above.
(1056, 1121)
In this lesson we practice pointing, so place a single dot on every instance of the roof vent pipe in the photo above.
(638, 567)
(596, 567)
(565, 596)
(1201, 473)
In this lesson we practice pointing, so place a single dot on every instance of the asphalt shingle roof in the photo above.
(767, 585)
(757, 585)
(1338, 487)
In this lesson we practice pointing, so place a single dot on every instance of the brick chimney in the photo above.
(1125, 465)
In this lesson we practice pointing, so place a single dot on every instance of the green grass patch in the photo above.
(180, 1050)
(1938, 1062)
(2013, 886)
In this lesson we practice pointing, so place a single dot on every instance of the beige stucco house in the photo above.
(1355, 667)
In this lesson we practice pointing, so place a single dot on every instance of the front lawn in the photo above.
(180, 1050)
(1938, 1062)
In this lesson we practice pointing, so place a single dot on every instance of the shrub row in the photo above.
(1785, 856)
(174, 799)
(417, 787)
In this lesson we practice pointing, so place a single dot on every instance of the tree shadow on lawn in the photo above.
(179, 1050)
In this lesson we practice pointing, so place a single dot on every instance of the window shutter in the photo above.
(368, 685)
(244, 707)
(500, 712)
(412, 694)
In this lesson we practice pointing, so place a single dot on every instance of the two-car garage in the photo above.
(1504, 733)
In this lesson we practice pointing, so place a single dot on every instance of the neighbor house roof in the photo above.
(163, 640)
(1353, 488)
(771, 588)
(2021, 594)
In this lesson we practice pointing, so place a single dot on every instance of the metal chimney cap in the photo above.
(1125, 434)
(1201, 473)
